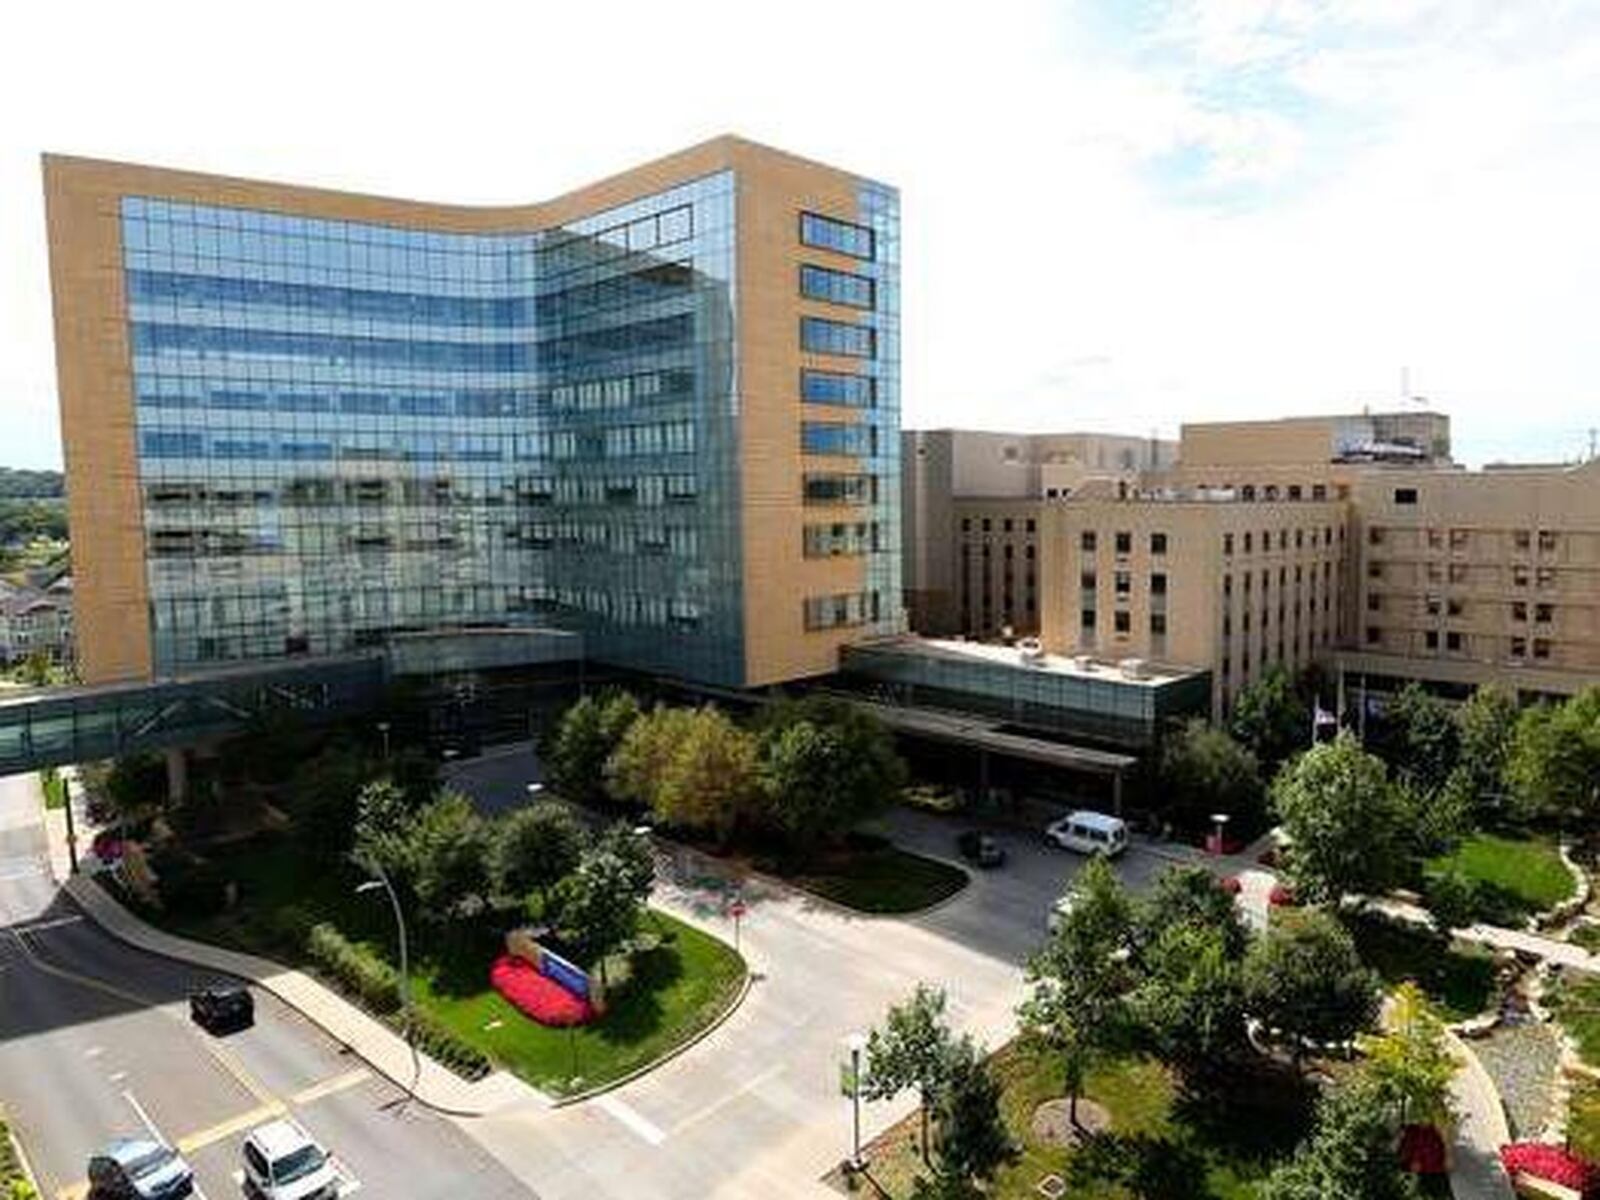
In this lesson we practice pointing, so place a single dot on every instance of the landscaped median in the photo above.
(290, 911)
(15, 1183)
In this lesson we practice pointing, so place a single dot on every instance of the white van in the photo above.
(1089, 833)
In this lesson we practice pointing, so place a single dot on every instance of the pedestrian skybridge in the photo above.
(54, 726)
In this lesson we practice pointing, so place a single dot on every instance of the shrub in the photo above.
(289, 926)
(354, 968)
(441, 1044)
(1550, 1163)
(191, 888)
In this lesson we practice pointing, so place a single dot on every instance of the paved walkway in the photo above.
(1480, 1131)
(375, 1043)
(1563, 954)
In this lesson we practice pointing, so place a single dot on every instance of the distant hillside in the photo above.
(17, 483)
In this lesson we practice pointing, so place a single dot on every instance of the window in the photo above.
(1431, 639)
(832, 234)
(840, 489)
(1435, 539)
(1374, 602)
(1547, 544)
(1375, 570)
(1319, 491)
(1375, 536)
(966, 524)
(1374, 635)
(836, 287)
(1124, 543)
(1519, 611)
(1006, 525)
(1544, 613)
(1247, 542)
(1452, 641)
(1227, 543)
(1522, 539)
(1086, 541)
(987, 524)
(1453, 607)
(1086, 620)
(1086, 581)
(831, 387)
(1158, 584)
(1458, 539)
(1433, 606)
(1405, 495)
(1519, 647)
(1158, 543)
(1158, 624)
(821, 336)
(1458, 572)
(1541, 648)
(1519, 576)
(1122, 622)
(1546, 577)
(1123, 582)
(819, 437)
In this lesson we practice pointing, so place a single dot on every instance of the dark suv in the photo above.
(980, 849)
(222, 1008)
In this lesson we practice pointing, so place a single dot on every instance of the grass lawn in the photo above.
(679, 987)
(881, 880)
(1519, 876)
(1576, 1004)
(1583, 1119)
(1160, 1143)
(1459, 980)
(1586, 935)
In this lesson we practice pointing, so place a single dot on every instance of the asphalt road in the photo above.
(95, 1041)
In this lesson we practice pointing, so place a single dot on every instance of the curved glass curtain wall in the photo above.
(348, 430)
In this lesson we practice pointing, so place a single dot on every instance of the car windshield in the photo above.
(151, 1158)
(297, 1165)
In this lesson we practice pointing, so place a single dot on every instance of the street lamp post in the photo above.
(535, 790)
(856, 1043)
(1220, 820)
(383, 729)
(372, 885)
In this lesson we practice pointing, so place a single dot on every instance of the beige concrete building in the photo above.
(1471, 576)
(1193, 577)
(956, 480)
(661, 410)
(1352, 541)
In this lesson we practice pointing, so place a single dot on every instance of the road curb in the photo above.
(20, 1154)
(203, 956)
(641, 1071)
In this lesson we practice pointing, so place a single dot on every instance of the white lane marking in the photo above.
(732, 1097)
(117, 1077)
(41, 926)
(632, 1118)
(94, 1051)
(133, 1101)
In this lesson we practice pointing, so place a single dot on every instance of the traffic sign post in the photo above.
(736, 910)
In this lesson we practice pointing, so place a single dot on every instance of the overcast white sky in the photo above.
(1117, 215)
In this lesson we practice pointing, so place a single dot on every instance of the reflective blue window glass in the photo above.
(831, 234)
(837, 287)
(821, 336)
(832, 387)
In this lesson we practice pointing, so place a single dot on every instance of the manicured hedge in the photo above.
(355, 968)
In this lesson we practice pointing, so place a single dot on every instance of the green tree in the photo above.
(1488, 725)
(637, 768)
(1350, 1155)
(448, 859)
(383, 817)
(632, 849)
(1344, 821)
(1455, 899)
(1190, 896)
(323, 792)
(711, 781)
(596, 907)
(586, 736)
(1081, 978)
(533, 848)
(972, 1139)
(826, 765)
(1272, 718)
(1554, 764)
(913, 1049)
(1204, 771)
(1418, 738)
(1304, 978)
(1411, 1063)
(1190, 1003)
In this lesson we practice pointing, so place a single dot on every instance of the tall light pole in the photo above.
(856, 1043)
(383, 728)
(372, 885)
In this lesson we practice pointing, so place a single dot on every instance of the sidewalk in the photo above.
(1563, 954)
(384, 1050)
(1480, 1131)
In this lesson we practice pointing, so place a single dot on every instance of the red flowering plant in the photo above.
(1550, 1163)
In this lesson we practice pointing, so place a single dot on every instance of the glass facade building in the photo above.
(349, 425)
